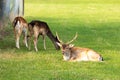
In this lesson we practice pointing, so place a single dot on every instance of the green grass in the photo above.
(97, 23)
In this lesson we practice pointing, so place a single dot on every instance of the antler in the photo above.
(58, 38)
(73, 39)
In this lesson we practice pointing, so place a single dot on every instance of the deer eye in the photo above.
(67, 48)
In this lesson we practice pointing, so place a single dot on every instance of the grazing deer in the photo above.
(20, 26)
(71, 53)
(37, 28)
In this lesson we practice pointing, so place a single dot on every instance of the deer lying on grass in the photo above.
(71, 53)
(37, 28)
(20, 26)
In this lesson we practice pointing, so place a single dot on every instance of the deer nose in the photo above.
(63, 51)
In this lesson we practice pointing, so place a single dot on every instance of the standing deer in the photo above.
(37, 28)
(71, 53)
(20, 26)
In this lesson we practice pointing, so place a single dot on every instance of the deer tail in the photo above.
(101, 58)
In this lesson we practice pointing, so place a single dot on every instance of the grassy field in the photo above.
(97, 23)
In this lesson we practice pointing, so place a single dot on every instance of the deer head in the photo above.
(66, 47)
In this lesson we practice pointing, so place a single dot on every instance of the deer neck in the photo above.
(53, 39)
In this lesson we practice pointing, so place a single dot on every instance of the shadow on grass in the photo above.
(98, 36)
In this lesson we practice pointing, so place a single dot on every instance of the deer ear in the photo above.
(56, 37)
(71, 45)
(59, 44)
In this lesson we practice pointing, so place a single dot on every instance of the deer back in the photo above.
(38, 26)
(21, 20)
(80, 54)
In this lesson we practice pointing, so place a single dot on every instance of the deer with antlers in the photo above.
(71, 53)
(37, 28)
(20, 27)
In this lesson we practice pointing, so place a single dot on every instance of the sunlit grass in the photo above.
(97, 23)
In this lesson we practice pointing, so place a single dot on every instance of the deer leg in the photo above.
(44, 42)
(36, 34)
(35, 44)
(17, 35)
(25, 37)
(29, 42)
(17, 41)
(29, 38)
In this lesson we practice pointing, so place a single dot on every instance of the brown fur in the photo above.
(20, 26)
(37, 28)
(71, 53)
